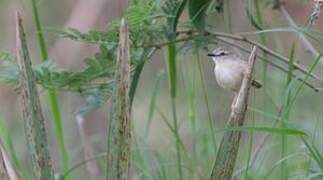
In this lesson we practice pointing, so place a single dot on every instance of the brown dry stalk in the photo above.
(118, 159)
(228, 150)
(32, 112)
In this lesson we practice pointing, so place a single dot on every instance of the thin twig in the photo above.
(190, 35)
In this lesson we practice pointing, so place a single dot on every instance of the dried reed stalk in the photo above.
(228, 150)
(32, 112)
(119, 144)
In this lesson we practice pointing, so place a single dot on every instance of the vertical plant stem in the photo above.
(228, 9)
(263, 40)
(250, 145)
(119, 140)
(229, 146)
(206, 100)
(171, 66)
(152, 103)
(57, 120)
(32, 112)
(189, 79)
(285, 116)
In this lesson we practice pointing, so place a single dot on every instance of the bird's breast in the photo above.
(229, 76)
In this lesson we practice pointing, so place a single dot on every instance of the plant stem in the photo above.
(178, 151)
(171, 66)
(32, 113)
(119, 153)
(206, 100)
(59, 130)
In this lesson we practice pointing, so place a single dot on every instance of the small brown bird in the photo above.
(230, 69)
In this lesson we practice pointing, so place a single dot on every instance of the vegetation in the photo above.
(281, 144)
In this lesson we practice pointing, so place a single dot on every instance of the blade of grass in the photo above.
(257, 21)
(206, 100)
(285, 117)
(82, 163)
(314, 152)
(282, 160)
(163, 175)
(188, 77)
(285, 131)
(152, 103)
(301, 86)
(170, 127)
(6, 138)
(52, 96)
(138, 70)
(171, 67)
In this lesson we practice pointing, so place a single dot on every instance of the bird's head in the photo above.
(220, 54)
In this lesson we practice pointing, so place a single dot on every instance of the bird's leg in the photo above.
(234, 100)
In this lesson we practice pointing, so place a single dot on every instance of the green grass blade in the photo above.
(285, 117)
(255, 22)
(315, 153)
(300, 87)
(291, 65)
(284, 131)
(6, 139)
(197, 12)
(282, 160)
(152, 103)
(206, 100)
(178, 14)
(171, 67)
(135, 80)
(53, 100)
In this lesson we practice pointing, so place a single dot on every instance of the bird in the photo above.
(229, 69)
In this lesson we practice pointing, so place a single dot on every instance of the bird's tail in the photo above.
(256, 84)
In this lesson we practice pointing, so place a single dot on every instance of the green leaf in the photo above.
(314, 153)
(287, 131)
(255, 21)
(178, 14)
(197, 12)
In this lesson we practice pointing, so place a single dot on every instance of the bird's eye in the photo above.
(222, 53)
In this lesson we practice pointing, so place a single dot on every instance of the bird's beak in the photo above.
(211, 55)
